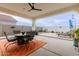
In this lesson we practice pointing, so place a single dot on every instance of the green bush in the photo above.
(40, 30)
(77, 32)
(52, 31)
(69, 33)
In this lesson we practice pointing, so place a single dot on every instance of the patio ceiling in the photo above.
(21, 9)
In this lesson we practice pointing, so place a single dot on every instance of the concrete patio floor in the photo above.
(55, 35)
(55, 47)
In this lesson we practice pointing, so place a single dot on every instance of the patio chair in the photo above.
(11, 40)
(31, 35)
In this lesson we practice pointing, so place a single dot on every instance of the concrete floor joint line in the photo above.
(51, 51)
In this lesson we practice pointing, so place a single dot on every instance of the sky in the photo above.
(59, 20)
(54, 20)
(20, 21)
(23, 21)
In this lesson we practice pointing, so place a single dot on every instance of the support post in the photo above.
(33, 25)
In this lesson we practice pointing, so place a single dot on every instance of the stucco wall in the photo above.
(9, 30)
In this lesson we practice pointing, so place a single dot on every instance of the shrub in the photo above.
(69, 33)
(52, 31)
(77, 32)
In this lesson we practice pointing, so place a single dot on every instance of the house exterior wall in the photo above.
(9, 30)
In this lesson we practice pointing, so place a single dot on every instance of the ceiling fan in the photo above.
(32, 5)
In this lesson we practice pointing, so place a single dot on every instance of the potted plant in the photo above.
(76, 38)
(77, 33)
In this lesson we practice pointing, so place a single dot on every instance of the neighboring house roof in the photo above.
(7, 19)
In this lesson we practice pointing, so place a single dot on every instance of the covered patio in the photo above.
(49, 43)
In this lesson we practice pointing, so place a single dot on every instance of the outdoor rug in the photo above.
(23, 50)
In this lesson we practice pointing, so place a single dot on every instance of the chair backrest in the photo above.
(6, 36)
(32, 33)
(16, 31)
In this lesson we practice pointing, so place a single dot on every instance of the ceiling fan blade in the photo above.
(30, 5)
(37, 9)
(33, 8)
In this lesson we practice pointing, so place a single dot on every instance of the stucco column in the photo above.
(33, 25)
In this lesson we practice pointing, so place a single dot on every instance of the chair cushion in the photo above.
(12, 38)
